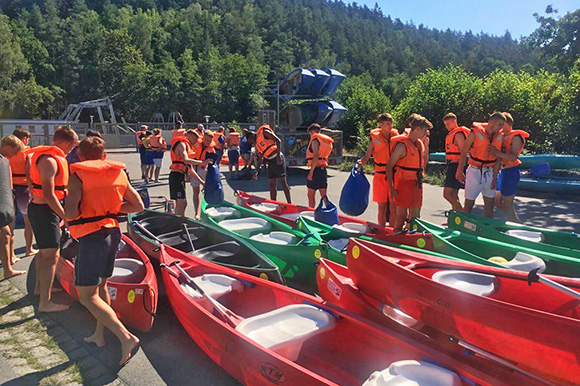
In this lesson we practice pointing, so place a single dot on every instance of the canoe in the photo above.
(209, 242)
(553, 186)
(535, 327)
(293, 251)
(297, 84)
(289, 213)
(336, 79)
(132, 288)
(512, 233)
(272, 334)
(321, 79)
(338, 111)
(556, 161)
(518, 257)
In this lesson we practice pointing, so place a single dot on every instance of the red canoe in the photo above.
(277, 335)
(133, 286)
(535, 327)
(288, 213)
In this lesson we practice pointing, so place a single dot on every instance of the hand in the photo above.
(359, 162)
(208, 161)
(494, 183)
(279, 160)
(493, 150)
(310, 176)
(460, 176)
(202, 182)
(255, 176)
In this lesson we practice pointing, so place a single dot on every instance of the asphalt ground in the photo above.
(167, 354)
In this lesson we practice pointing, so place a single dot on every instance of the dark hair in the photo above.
(497, 116)
(232, 130)
(92, 148)
(156, 131)
(21, 134)
(412, 117)
(148, 133)
(449, 116)
(421, 122)
(385, 117)
(315, 126)
(508, 118)
(93, 133)
(192, 131)
(251, 135)
(64, 134)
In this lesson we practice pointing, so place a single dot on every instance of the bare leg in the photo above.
(157, 172)
(47, 259)
(13, 258)
(5, 257)
(144, 172)
(452, 196)
(98, 337)
(509, 210)
(392, 213)
(29, 237)
(468, 207)
(273, 188)
(382, 214)
(415, 212)
(89, 297)
(286, 189)
(196, 203)
(180, 206)
(311, 198)
(400, 218)
(488, 204)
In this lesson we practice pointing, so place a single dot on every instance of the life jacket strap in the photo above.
(56, 187)
(85, 220)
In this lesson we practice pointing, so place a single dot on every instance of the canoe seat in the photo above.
(246, 226)
(412, 372)
(285, 330)
(473, 282)
(525, 262)
(265, 207)
(401, 318)
(228, 252)
(159, 223)
(214, 285)
(339, 244)
(178, 238)
(123, 248)
(220, 213)
(522, 234)
(352, 227)
(128, 271)
(294, 216)
(276, 237)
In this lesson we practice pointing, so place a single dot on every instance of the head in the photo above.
(65, 138)
(509, 121)
(178, 126)
(412, 117)
(245, 131)
(148, 133)
(221, 129)
(495, 122)
(192, 136)
(93, 133)
(385, 121)
(200, 127)
(156, 131)
(450, 121)
(144, 127)
(315, 128)
(91, 148)
(251, 137)
(10, 146)
(232, 129)
(23, 135)
(419, 127)
(207, 138)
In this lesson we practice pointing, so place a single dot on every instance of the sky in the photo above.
(491, 16)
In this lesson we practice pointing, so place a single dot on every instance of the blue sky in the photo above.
(490, 16)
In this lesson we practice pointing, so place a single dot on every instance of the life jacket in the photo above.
(18, 167)
(147, 143)
(177, 133)
(381, 149)
(266, 147)
(61, 177)
(216, 140)
(507, 146)
(234, 139)
(411, 166)
(104, 185)
(479, 155)
(324, 150)
(199, 152)
(452, 151)
(177, 163)
(138, 135)
(158, 143)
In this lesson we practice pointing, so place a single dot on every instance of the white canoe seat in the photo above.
(522, 234)
(276, 237)
(285, 330)
(214, 285)
(339, 244)
(246, 226)
(525, 262)
(294, 216)
(473, 282)
(352, 227)
(128, 271)
(265, 207)
(413, 373)
(401, 318)
(220, 213)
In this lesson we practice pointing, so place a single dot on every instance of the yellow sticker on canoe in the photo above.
(415, 227)
(355, 251)
(322, 273)
(457, 220)
(263, 276)
(131, 296)
(318, 253)
(421, 243)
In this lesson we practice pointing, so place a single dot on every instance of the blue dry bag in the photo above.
(354, 197)
(326, 212)
(214, 191)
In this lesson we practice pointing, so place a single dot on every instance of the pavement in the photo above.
(49, 349)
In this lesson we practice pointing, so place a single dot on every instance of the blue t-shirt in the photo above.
(245, 147)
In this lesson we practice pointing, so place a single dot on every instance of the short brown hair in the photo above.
(449, 116)
(497, 116)
(192, 131)
(508, 118)
(13, 142)
(21, 133)
(156, 131)
(315, 126)
(385, 117)
(64, 134)
(92, 148)
(421, 122)
(412, 117)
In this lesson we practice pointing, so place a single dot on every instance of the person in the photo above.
(509, 175)
(98, 191)
(158, 147)
(268, 147)
(317, 153)
(17, 153)
(139, 135)
(149, 163)
(233, 144)
(202, 151)
(181, 162)
(73, 157)
(379, 148)
(481, 175)
(408, 157)
(219, 141)
(453, 143)
(248, 139)
(426, 140)
(48, 177)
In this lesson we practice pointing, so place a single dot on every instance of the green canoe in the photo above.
(450, 239)
(296, 253)
(512, 233)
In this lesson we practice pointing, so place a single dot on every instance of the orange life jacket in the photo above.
(104, 185)
(139, 134)
(324, 150)
(265, 146)
(216, 140)
(234, 139)
(177, 163)
(452, 151)
(158, 143)
(18, 167)
(381, 149)
(411, 166)
(61, 177)
(199, 152)
(479, 154)
(507, 146)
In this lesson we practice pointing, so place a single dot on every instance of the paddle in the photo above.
(534, 277)
(186, 230)
(144, 230)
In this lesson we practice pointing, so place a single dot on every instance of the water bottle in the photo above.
(170, 206)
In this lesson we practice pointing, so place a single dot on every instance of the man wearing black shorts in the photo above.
(268, 147)
(317, 153)
(453, 143)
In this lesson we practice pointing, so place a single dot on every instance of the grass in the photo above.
(71, 374)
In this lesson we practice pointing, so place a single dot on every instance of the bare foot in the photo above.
(31, 252)
(52, 307)
(157, 181)
(13, 273)
(99, 341)
(128, 349)
(14, 260)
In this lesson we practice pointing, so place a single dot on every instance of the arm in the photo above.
(270, 135)
(259, 159)
(48, 168)
(133, 202)
(512, 154)
(496, 166)
(399, 152)
(368, 154)
(75, 195)
(315, 148)
(460, 175)
(180, 151)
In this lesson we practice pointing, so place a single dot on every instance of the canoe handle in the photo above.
(533, 276)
